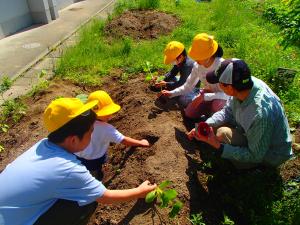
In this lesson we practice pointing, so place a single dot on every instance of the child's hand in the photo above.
(164, 93)
(144, 143)
(160, 84)
(191, 134)
(145, 188)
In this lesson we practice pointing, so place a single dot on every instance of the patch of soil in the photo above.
(145, 24)
(171, 156)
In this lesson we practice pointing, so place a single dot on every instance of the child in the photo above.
(175, 54)
(208, 56)
(95, 155)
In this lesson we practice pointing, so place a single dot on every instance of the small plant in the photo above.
(127, 46)
(14, 109)
(124, 78)
(4, 127)
(1, 148)
(196, 219)
(165, 198)
(227, 221)
(5, 84)
(151, 77)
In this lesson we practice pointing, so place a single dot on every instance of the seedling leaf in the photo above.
(175, 209)
(82, 97)
(164, 184)
(167, 196)
(148, 77)
(160, 78)
(150, 196)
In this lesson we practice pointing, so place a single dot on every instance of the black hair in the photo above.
(183, 53)
(77, 126)
(219, 52)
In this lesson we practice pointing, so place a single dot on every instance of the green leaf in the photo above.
(148, 77)
(175, 209)
(150, 196)
(160, 78)
(167, 196)
(164, 184)
(82, 97)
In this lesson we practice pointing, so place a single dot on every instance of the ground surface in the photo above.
(138, 24)
(170, 157)
(204, 183)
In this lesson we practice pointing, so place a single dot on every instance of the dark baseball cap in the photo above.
(231, 71)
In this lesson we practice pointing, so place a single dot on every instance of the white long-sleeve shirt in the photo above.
(199, 73)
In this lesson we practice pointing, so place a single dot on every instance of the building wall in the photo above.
(64, 3)
(18, 14)
(14, 15)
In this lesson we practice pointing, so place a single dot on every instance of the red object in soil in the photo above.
(203, 129)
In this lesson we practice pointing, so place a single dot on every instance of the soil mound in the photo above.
(142, 24)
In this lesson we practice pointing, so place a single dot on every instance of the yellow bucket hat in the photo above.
(172, 51)
(203, 47)
(62, 110)
(105, 105)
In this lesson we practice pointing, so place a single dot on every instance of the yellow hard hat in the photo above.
(172, 51)
(62, 110)
(203, 47)
(105, 105)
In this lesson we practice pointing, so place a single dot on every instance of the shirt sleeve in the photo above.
(188, 86)
(215, 95)
(114, 135)
(171, 74)
(223, 116)
(259, 138)
(80, 186)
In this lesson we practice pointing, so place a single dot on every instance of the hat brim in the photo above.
(212, 78)
(168, 60)
(85, 108)
(195, 55)
(108, 110)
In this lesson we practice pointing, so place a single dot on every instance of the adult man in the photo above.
(47, 184)
(252, 125)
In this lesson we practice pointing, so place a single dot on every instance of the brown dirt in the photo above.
(146, 24)
(171, 156)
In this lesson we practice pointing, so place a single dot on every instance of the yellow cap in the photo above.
(105, 105)
(62, 110)
(203, 47)
(172, 51)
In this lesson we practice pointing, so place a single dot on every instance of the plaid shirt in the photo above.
(261, 118)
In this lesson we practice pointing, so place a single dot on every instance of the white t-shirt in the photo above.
(102, 136)
(199, 73)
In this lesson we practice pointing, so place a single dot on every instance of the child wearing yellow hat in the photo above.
(95, 155)
(175, 54)
(208, 56)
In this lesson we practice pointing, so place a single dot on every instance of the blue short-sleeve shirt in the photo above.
(32, 183)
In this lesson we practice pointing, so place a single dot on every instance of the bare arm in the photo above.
(128, 141)
(115, 196)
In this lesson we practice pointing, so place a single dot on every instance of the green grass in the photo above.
(243, 33)
(240, 30)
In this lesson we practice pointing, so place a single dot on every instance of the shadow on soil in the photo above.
(217, 189)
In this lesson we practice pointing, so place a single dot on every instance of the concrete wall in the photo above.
(14, 15)
(64, 3)
(18, 14)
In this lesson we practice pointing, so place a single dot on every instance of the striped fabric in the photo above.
(261, 118)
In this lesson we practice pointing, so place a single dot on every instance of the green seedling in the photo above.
(4, 127)
(147, 69)
(197, 219)
(165, 198)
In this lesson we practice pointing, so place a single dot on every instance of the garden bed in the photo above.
(203, 184)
